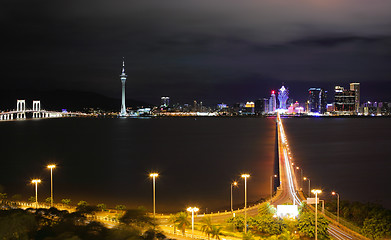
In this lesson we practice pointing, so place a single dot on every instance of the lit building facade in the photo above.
(356, 88)
(344, 100)
(317, 100)
(123, 81)
(272, 102)
(164, 102)
(283, 95)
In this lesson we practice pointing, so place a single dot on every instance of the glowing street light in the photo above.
(51, 166)
(233, 184)
(316, 191)
(335, 193)
(271, 186)
(192, 210)
(309, 185)
(36, 181)
(245, 176)
(301, 177)
(154, 176)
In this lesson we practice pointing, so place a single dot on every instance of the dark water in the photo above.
(108, 160)
(349, 155)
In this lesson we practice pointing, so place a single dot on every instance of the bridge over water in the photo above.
(22, 112)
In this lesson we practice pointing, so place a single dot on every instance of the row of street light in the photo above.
(195, 209)
(37, 181)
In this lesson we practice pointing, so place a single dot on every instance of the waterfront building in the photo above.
(283, 95)
(344, 100)
(249, 108)
(356, 88)
(123, 81)
(317, 100)
(164, 102)
(272, 102)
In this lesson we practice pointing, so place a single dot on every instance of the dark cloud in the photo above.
(213, 50)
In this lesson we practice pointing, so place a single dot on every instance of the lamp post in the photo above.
(271, 187)
(51, 166)
(335, 193)
(36, 181)
(316, 191)
(301, 177)
(309, 185)
(153, 176)
(245, 176)
(232, 185)
(192, 210)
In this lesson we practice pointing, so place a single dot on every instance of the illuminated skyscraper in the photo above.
(272, 102)
(123, 80)
(317, 100)
(283, 95)
(164, 102)
(356, 88)
(344, 100)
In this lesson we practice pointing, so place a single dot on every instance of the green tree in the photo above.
(216, 231)
(31, 199)
(120, 207)
(17, 224)
(82, 203)
(266, 209)
(376, 227)
(237, 222)
(206, 226)
(101, 206)
(48, 200)
(182, 222)
(247, 236)
(3, 197)
(172, 221)
(267, 224)
(138, 218)
(66, 201)
(306, 225)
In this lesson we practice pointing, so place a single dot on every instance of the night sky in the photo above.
(212, 51)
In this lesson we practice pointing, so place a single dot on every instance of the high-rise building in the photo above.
(272, 102)
(283, 95)
(344, 100)
(356, 88)
(123, 80)
(317, 100)
(164, 102)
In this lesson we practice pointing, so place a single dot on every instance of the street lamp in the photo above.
(154, 176)
(309, 185)
(232, 185)
(271, 187)
(51, 166)
(36, 181)
(245, 176)
(335, 193)
(316, 191)
(301, 177)
(192, 210)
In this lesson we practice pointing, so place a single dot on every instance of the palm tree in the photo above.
(216, 231)
(173, 221)
(182, 221)
(206, 226)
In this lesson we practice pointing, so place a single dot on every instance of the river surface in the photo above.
(108, 160)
